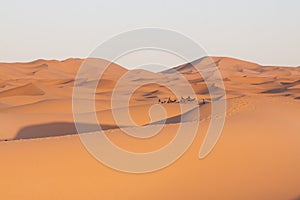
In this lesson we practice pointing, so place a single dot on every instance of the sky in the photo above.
(263, 31)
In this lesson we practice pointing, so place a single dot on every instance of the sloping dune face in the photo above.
(37, 96)
(257, 156)
(244, 78)
(25, 90)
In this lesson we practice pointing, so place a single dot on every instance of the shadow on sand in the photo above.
(57, 129)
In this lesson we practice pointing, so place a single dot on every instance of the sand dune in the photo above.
(26, 90)
(45, 87)
(256, 157)
(244, 161)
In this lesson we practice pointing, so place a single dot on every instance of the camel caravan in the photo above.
(182, 100)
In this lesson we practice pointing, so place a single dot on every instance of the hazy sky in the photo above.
(263, 31)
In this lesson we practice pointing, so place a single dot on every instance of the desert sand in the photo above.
(257, 156)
